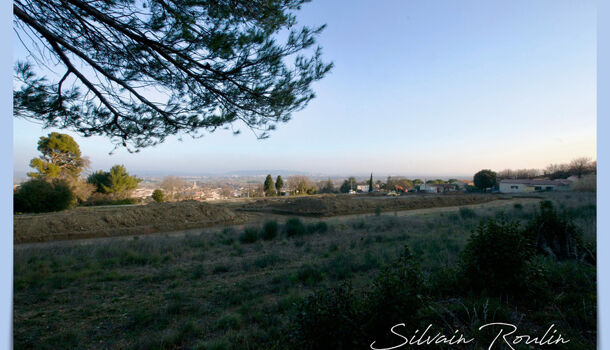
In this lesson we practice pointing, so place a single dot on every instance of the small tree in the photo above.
(157, 196)
(345, 187)
(279, 184)
(371, 183)
(268, 186)
(485, 179)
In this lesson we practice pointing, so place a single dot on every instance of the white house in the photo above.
(527, 185)
(363, 188)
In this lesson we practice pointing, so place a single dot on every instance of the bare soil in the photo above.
(88, 222)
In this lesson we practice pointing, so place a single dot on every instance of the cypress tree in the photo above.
(268, 186)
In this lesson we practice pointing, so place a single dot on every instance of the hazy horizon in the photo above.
(417, 89)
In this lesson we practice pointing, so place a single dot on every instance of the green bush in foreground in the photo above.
(496, 257)
(250, 235)
(40, 196)
(294, 227)
(270, 229)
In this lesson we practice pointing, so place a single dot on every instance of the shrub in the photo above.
(329, 319)
(553, 234)
(294, 227)
(39, 196)
(518, 206)
(158, 196)
(97, 198)
(309, 275)
(270, 229)
(319, 226)
(396, 292)
(377, 211)
(250, 235)
(496, 257)
(338, 318)
(467, 213)
(228, 320)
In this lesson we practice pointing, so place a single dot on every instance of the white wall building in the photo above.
(527, 185)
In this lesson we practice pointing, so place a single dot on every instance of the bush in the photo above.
(496, 257)
(329, 319)
(250, 235)
(105, 199)
(338, 318)
(270, 229)
(518, 206)
(396, 292)
(319, 226)
(467, 213)
(555, 235)
(39, 196)
(294, 227)
(158, 196)
(310, 275)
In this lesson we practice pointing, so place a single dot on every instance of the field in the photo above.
(240, 287)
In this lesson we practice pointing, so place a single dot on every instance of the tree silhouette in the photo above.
(138, 71)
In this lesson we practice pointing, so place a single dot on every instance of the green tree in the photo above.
(117, 183)
(158, 196)
(99, 179)
(268, 186)
(485, 179)
(61, 158)
(217, 63)
(348, 185)
(371, 183)
(38, 196)
(120, 181)
(279, 184)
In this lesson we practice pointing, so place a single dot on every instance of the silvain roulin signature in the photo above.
(506, 334)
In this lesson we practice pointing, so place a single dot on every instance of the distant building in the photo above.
(438, 188)
(527, 185)
(363, 188)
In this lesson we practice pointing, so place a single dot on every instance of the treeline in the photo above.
(56, 182)
(577, 167)
(302, 185)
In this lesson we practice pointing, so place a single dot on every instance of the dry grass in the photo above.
(208, 291)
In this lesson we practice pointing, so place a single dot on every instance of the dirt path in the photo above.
(255, 218)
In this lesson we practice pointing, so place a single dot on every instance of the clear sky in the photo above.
(419, 88)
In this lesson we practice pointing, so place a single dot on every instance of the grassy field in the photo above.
(240, 289)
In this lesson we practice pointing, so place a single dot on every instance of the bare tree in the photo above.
(580, 166)
(172, 185)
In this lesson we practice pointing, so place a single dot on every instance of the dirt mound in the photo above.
(330, 205)
(120, 220)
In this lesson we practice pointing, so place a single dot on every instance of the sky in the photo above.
(437, 88)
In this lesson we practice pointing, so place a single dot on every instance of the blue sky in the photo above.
(418, 88)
